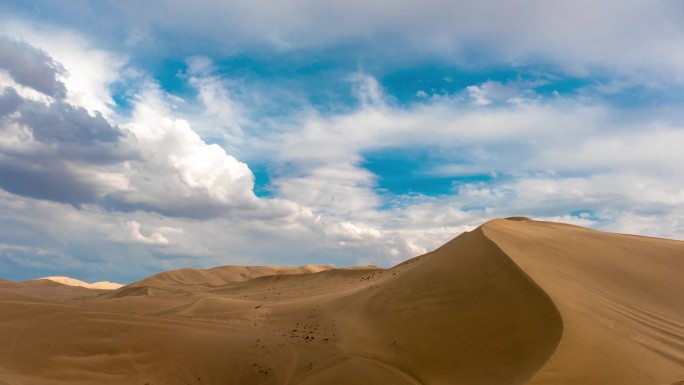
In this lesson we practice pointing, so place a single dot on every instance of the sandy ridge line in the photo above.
(532, 282)
(520, 269)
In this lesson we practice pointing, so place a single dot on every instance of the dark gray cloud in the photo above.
(31, 67)
(195, 208)
(48, 179)
(62, 122)
(56, 151)
(50, 151)
(9, 101)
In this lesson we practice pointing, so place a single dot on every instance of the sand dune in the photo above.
(104, 285)
(224, 275)
(512, 302)
(621, 298)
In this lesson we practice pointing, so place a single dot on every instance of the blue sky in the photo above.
(136, 138)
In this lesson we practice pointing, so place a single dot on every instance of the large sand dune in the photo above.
(512, 302)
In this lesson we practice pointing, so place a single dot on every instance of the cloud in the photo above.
(156, 237)
(142, 178)
(86, 72)
(61, 122)
(222, 114)
(578, 37)
(9, 101)
(179, 174)
(34, 258)
(57, 151)
(330, 188)
(545, 157)
(31, 67)
(511, 92)
(51, 149)
(347, 231)
(367, 89)
(468, 141)
(55, 182)
(478, 95)
(649, 147)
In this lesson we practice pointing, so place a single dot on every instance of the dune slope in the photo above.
(621, 298)
(512, 302)
(461, 314)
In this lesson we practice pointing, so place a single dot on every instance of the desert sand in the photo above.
(76, 282)
(515, 301)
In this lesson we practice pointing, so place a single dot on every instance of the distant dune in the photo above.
(514, 301)
(104, 285)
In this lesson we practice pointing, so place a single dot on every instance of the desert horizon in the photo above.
(306, 192)
(514, 301)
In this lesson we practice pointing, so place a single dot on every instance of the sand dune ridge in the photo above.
(514, 301)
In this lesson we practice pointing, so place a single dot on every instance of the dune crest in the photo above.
(514, 301)
(222, 275)
(102, 285)
(620, 297)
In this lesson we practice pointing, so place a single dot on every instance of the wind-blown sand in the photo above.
(512, 302)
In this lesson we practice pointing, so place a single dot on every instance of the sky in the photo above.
(137, 137)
